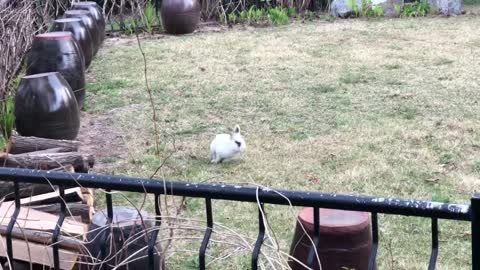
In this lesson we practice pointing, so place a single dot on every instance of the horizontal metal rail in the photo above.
(242, 193)
(217, 191)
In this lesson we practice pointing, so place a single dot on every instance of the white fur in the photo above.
(225, 146)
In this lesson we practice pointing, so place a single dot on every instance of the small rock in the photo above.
(390, 8)
(447, 7)
(344, 8)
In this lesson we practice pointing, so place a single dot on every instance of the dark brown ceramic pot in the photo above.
(46, 107)
(89, 22)
(79, 32)
(180, 16)
(345, 240)
(59, 52)
(123, 240)
(96, 12)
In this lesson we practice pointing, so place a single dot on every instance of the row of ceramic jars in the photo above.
(49, 98)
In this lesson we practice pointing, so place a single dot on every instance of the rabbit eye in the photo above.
(238, 143)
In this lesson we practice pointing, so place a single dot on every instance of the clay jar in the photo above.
(59, 52)
(345, 239)
(180, 16)
(89, 22)
(79, 32)
(45, 107)
(96, 12)
(125, 238)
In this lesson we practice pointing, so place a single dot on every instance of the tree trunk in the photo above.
(48, 161)
(20, 144)
(26, 189)
(73, 209)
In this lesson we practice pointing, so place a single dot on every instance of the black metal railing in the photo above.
(259, 195)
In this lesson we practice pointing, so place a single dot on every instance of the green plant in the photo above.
(415, 9)
(292, 12)
(377, 11)
(367, 9)
(476, 166)
(131, 25)
(149, 16)
(309, 15)
(232, 18)
(7, 118)
(252, 15)
(255, 14)
(352, 4)
(278, 15)
(243, 16)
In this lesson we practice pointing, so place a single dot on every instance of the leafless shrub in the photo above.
(20, 20)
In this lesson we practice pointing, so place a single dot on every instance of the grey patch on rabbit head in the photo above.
(236, 129)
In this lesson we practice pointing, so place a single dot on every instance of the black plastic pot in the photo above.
(59, 52)
(90, 23)
(180, 16)
(45, 107)
(97, 13)
(79, 32)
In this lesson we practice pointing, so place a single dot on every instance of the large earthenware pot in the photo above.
(345, 240)
(79, 32)
(46, 107)
(59, 52)
(180, 16)
(125, 240)
(90, 23)
(96, 12)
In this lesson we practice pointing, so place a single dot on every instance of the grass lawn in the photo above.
(375, 107)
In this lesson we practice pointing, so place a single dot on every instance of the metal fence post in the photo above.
(475, 214)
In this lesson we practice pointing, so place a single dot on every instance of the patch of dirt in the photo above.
(99, 137)
(119, 38)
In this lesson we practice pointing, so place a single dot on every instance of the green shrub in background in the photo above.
(131, 25)
(309, 15)
(254, 15)
(366, 9)
(419, 8)
(278, 15)
(7, 120)
(232, 18)
(292, 12)
(149, 18)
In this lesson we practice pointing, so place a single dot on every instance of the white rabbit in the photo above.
(227, 146)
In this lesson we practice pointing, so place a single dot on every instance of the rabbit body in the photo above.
(227, 146)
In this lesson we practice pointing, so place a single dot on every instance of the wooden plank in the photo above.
(36, 220)
(74, 218)
(71, 195)
(44, 238)
(38, 253)
(88, 196)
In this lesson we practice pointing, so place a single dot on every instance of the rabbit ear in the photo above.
(236, 129)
